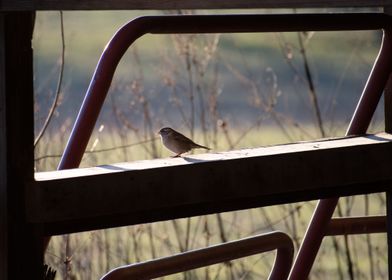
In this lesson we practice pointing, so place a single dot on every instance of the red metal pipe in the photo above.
(115, 49)
(213, 255)
(357, 225)
(216, 254)
(124, 37)
(360, 121)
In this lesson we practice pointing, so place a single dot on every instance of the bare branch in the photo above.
(101, 150)
(59, 83)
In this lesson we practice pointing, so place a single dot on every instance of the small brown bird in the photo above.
(176, 142)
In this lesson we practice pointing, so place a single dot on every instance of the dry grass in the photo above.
(207, 88)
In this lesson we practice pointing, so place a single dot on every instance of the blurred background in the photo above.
(226, 91)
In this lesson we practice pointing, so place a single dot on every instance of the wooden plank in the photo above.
(182, 4)
(146, 191)
(20, 250)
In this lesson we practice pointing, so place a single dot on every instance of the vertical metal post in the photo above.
(21, 255)
(388, 105)
(388, 128)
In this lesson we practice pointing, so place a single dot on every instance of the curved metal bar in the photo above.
(131, 31)
(213, 255)
(366, 107)
(337, 226)
(115, 49)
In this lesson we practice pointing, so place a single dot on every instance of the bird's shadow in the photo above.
(194, 160)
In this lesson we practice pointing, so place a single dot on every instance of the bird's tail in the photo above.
(201, 147)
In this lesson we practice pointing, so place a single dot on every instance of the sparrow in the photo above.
(176, 142)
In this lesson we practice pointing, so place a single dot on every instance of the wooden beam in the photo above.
(146, 191)
(20, 250)
(182, 4)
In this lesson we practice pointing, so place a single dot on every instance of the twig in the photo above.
(101, 150)
(191, 96)
(312, 89)
(178, 233)
(369, 243)
(68, 257)
(337, 251)
(59, 83)
(151, 240)
(49, 273)
(223, 237)
(350, 269)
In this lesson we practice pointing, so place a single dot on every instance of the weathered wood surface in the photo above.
(146, 191)
(182, 4)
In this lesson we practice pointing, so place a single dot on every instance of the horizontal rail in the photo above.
(183, 4)
(213, 255)
(357, 225)
(267, 176)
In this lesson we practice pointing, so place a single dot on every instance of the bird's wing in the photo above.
(181, 138)
(186, 141)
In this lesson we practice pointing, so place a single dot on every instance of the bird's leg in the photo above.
(177, 155)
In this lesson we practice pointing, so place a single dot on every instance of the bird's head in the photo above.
(165, 131)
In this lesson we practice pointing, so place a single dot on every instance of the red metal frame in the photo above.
(115, 49)
(134, 29)
(213, 255)
(357, 225)
(359, 123)
(242, 248)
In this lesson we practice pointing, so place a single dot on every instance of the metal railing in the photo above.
(359, 124)
(243, 248)
(213, 255)
(116, 48)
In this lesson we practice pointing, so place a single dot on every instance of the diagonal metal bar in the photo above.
(134, 29)
(115, 49)
(360, 121)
